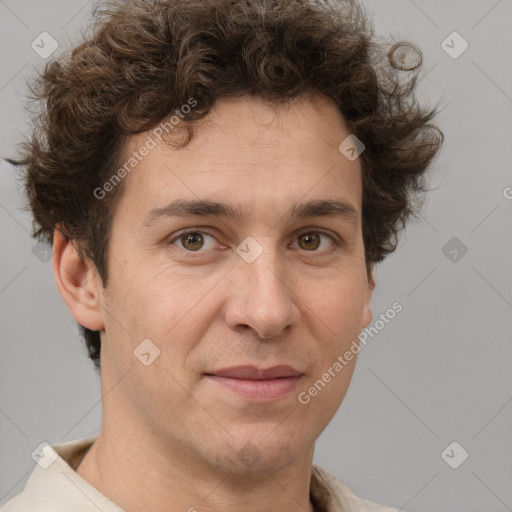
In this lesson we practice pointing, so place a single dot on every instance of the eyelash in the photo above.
(303, 231)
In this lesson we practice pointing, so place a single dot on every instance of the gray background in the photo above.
(439, 372)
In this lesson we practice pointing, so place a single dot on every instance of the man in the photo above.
(218, 180)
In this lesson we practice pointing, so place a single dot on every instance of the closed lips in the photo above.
(254, 373)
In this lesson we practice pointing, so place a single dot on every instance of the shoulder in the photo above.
(54, 485)
(337, 497)
(46, 489)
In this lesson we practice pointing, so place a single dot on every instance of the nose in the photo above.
(262, 297)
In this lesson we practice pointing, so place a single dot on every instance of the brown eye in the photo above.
(192, 241)
(312, 241)
(309, 241)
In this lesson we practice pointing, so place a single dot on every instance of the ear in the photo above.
(78, 283)
(367, 311)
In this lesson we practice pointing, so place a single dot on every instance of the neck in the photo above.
(137, 473)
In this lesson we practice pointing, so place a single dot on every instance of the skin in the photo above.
(170, 437)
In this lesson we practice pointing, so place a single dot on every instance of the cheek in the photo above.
(340, 305)
(322, 394)
(340, 314)
(171, 308)
(147, 296)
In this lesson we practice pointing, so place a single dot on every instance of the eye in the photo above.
(192, 241)
(311, 240)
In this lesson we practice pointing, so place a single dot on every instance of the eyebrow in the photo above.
(206, 208)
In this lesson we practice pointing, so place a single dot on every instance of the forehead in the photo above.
(250, 150)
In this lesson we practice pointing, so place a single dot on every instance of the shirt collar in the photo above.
(74, 493)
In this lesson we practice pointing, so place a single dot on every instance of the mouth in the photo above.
(260, 385)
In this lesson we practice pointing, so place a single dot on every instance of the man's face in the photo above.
(296, 293)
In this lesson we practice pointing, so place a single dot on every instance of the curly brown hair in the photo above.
(144, 59)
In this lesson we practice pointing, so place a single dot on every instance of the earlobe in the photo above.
(78, 283)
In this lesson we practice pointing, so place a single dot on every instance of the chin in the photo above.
(260, 454)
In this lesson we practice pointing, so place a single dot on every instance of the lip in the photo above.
(249, 372)
(257, 384)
